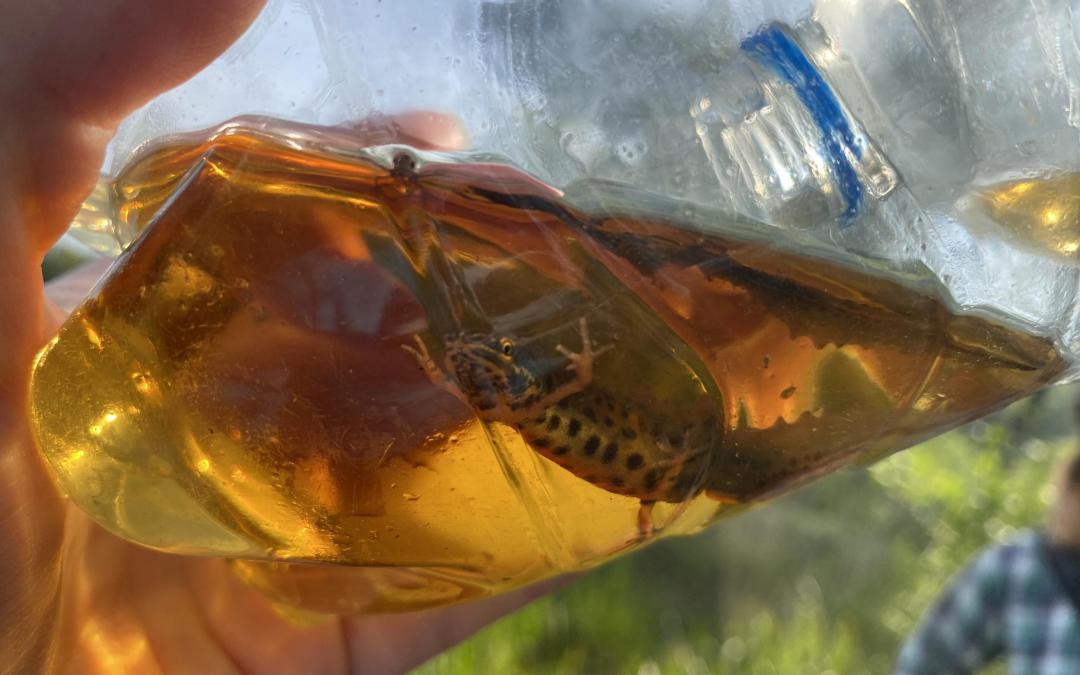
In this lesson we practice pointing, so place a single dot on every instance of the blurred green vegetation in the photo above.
(830, 579)
(65, 256)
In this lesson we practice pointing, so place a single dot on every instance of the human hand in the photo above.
(73, 597)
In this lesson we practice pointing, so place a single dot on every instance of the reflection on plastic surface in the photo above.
(447, 378)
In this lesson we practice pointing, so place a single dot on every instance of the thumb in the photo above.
(72, 69)
(76, 68)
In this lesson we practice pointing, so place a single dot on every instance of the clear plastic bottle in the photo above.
(676, 274)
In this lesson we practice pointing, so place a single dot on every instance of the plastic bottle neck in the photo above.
(782, 143)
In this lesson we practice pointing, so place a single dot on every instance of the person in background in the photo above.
(1018, 602)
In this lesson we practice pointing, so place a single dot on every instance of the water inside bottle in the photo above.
(1039, 213)
(384, 383)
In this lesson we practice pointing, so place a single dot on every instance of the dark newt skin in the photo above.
(606, 441)
(611, 444)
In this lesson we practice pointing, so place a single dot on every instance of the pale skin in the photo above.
(74, 598)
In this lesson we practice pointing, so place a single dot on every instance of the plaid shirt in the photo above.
(1015, 601)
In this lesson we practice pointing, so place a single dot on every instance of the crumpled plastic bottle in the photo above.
(672, 273)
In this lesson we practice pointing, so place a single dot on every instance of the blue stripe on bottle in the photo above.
(773, 48)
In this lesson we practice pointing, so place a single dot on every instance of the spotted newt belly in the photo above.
(613, 445)
(600, 437)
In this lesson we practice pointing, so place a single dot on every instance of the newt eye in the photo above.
(506, 346)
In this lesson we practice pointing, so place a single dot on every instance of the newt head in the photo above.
(487, 370)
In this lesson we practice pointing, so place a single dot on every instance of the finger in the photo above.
(426, 130)
(96, 61)
(421, 129)
(77, 68)
(235, 613)
(432, 130)
(400, 642)
(72, 69)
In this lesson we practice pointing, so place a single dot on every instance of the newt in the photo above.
(600, 437)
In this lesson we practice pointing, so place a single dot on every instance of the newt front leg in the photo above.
(483, 371)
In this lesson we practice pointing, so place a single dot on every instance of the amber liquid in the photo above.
(237, 385)
(1037, 214)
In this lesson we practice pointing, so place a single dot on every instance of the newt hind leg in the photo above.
(646, 527)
